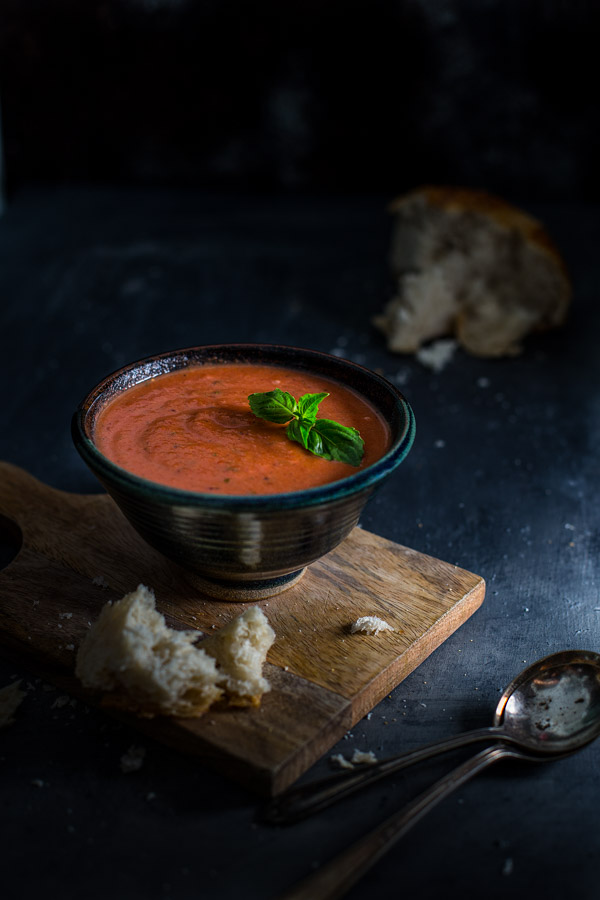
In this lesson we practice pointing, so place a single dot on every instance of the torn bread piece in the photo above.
(145, 667)
(240, 649)
(470, 265)
(370, 625)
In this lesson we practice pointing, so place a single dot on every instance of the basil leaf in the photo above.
(315, 444)
(274, 406)
(323, 437)
(337, 442)
(308, 406)
(299, 431)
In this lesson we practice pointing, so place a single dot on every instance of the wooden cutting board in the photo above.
(78, 552)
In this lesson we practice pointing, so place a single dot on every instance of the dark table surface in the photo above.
(502, 480)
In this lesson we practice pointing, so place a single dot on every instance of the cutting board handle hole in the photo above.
(11, 540)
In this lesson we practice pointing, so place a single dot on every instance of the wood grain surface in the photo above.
(77, 552)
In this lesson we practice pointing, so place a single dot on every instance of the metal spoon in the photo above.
(551, 708)
(559, 697)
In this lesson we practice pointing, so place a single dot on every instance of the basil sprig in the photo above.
(323, 437)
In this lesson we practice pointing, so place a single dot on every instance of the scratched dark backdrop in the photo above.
(241, 98)
(303, 95)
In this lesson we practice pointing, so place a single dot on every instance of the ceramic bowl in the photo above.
(245, 547)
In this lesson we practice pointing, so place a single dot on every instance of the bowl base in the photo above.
(244, 591)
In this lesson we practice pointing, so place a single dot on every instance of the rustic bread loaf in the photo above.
(471, 265)
(142, 665)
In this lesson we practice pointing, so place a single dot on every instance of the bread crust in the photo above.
(504, 214)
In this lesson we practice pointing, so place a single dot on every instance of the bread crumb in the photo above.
(142, 665)
(60, 701)
(340, 762)
(11, 698)
(364, 757)
(100, 581)
(359, 758)
(370, 625)
(65, 615)
(133, 759)
(437, 355)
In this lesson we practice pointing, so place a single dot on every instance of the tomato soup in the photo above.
(193, 429)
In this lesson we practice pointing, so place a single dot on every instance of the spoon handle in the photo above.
(334, 879)
(300, 802)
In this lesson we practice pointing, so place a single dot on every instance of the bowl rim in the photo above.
(334, 490)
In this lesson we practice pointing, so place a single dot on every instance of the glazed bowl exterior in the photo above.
(250, 545)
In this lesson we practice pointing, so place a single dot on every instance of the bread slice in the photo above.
(471, 265)
(142, 665)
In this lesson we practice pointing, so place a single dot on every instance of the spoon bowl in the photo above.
(553, 707)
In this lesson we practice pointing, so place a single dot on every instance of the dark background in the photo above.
(192, 173)
(303, 95)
